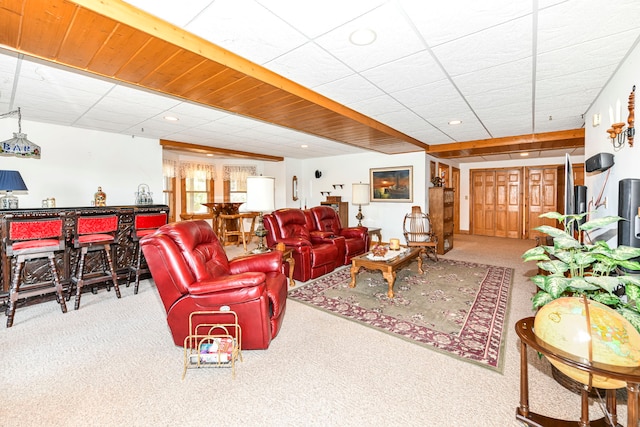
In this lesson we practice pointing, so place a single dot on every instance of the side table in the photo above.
(375, 231)
(287, 255)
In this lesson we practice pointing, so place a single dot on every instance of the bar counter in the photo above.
(37, 270)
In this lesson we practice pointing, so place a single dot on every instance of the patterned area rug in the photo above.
(455, 307)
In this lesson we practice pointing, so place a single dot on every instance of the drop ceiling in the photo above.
(522, 69)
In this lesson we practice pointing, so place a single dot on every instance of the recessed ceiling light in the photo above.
(524, 154)
(363, 37)
(209, 155)
(455, 122)
(304, 146)
(171, 118)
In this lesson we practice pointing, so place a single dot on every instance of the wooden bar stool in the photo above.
(238, 229)
(231, 225)
(29, 240)
(95, 233)
(144, 224)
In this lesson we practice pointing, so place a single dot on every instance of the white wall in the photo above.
(74, 162)
(354, 168)
(627, 160)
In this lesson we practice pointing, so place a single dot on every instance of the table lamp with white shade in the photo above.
(360, 197)
(260, 198)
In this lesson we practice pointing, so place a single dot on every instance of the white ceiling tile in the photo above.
(394, 39)
(543, 124)
(416, 70)
(309, 65)
(556, 31)
(377, 106)
(430, 94)
(516, 74)
(259, 35)
(508, 42)
(188, 109)
(449, 20)
(586, 56)
(351, 89)
(316, 18)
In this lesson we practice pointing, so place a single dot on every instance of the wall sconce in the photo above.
(360, 196)
(19, 145)
(617, 132)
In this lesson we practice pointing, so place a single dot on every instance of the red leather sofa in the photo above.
(326, 221)
(313, 258)
(192, 273)
(318, 242)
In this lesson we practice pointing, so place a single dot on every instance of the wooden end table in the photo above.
(287, 256)
(374, 231)
(388, 268)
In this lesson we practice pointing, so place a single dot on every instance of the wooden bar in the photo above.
(123, 250)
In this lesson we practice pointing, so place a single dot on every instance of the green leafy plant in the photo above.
(595, 270)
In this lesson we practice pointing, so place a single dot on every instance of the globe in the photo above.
(562, 323)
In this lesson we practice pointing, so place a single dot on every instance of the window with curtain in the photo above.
(235, 182)
(169, 186)
(197, 187)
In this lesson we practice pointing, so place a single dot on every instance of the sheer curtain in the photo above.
(169, 168)
(193, 169)
(238, 175)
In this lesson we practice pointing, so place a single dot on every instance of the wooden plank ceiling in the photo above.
(115, 40)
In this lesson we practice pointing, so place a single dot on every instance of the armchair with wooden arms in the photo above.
(192, 273)
(419, 233)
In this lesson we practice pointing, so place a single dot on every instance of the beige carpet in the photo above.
(113, 363)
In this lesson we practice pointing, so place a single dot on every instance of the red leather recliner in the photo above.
(313, 258)
(326, 221)
(192, 273)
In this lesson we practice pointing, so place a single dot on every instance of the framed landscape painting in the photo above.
(391, 184)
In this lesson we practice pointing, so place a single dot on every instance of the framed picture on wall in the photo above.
(391, 184)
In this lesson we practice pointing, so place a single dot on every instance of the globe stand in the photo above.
(524, 329)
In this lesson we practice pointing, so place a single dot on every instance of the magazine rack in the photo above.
(214, 345)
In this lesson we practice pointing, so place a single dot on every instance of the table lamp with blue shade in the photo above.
(10, 181)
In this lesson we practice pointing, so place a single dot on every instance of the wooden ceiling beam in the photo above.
(565, 139)
(220, 152)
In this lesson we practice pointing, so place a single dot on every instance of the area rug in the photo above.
(455, 307)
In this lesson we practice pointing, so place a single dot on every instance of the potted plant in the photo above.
(594, 270)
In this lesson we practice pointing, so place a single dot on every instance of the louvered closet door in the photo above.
(508, 204)
(483, 202)
(541, 197)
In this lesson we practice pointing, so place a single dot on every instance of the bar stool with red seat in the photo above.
(28, 240)
(143, 224)
(95, 233)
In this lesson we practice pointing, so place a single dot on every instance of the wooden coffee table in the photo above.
(388, 268)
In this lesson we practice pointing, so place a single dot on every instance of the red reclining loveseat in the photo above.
(318, 242)
(327, 224)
